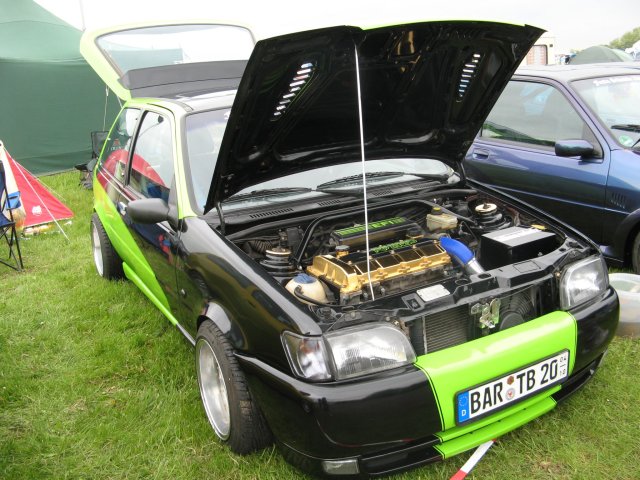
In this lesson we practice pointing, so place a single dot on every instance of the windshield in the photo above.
(175, 44)
(616, 102)
(204, 134)
(335, 179)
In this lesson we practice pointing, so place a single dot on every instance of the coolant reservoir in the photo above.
(309, 287)
(438, 220)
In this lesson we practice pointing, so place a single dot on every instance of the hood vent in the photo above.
(381, 193)
(302, 76)
(271, 213)
(468, 74)
(327, 203)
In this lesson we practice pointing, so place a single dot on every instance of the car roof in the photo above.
(191, 103)
(205, 101)
(568, 73)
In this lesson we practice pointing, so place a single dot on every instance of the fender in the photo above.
(221, 319)
(624, 235)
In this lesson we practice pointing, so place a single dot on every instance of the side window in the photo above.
(536, 114)
(204, 136)
(152, 165)
(118, 144)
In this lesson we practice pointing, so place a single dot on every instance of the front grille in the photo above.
(440, 330)
(458, 325)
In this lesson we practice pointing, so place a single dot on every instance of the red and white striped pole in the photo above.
(473, 460)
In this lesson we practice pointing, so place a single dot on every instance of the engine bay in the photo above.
(445, 270)
(412, 244)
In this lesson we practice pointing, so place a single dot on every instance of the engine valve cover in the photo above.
(379, 232)
(391, 269)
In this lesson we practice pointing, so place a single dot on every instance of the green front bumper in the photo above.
(458, 368)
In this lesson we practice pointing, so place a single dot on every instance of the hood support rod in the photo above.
(364, 174)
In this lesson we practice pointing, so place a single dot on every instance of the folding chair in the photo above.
(86, 169)
(8, 203)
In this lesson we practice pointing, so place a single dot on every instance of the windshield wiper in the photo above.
(442, 177)
(334, 186)
(627, 127)
(268, 192)
(357, 179)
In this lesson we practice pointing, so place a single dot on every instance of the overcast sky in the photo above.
(574, 23)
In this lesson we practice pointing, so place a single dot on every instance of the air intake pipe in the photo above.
(461, 254)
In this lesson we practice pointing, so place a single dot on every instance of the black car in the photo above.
(303, 220)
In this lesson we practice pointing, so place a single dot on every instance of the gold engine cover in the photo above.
(348, 273)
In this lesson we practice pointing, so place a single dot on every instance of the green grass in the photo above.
(96, 383)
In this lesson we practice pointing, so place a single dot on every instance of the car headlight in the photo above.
(307, 356)
(348, 352)
(582, 281)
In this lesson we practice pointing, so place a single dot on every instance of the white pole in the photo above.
(364, 174)
(82, 21)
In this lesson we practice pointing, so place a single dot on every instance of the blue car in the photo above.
(566, 139)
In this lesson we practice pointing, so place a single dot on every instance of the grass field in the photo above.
(96, 383)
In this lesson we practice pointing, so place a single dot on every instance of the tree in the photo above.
(627, 40)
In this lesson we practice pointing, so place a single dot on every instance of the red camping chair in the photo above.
(8, 203)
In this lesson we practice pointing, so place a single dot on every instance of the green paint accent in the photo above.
(502, 416)
(372, 226)
(526, 411)
(394, 245)
(125, 244)
(473, 363)
(141, 285)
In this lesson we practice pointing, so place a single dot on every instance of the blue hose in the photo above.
(461, 254)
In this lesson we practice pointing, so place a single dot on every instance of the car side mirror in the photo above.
(152, 210)
(574, 148)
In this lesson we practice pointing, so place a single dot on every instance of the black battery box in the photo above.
(514, 244)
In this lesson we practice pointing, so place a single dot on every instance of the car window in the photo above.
(116, 151)
(161, 45)
(536, 114)
(152, 164)
(204, 136)
(616, 102)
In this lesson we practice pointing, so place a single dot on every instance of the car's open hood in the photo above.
(425, 90)
(168, 59)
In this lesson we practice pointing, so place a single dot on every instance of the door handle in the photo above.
(480, 154)
(122, 208)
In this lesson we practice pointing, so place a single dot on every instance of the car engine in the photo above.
(445, 270)
(411, 244)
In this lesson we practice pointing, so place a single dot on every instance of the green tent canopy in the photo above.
(600, 54)
(50, 99)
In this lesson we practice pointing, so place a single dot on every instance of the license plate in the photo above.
(511, 388)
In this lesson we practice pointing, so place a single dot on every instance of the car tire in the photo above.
(635, 255)
(230, 408)
(106, 260)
